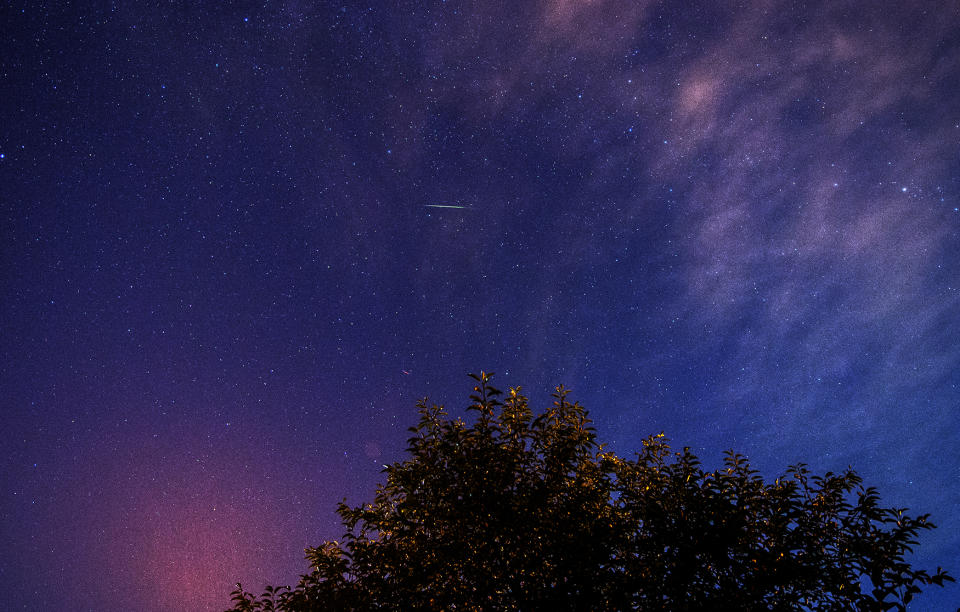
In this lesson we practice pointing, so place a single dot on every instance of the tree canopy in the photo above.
(517, 511)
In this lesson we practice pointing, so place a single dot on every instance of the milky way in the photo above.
(240, 242)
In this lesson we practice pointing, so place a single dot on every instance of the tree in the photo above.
(524, 512)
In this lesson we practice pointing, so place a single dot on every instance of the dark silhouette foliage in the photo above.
(527, 512)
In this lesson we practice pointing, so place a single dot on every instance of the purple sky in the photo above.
(225, 282)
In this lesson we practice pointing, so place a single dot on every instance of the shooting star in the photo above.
(443, 206)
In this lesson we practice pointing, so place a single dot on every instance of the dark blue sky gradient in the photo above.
(224, 283)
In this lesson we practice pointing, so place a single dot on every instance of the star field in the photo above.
(240, 240)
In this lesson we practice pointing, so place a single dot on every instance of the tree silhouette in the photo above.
(524, 512)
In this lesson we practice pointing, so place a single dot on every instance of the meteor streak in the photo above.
(443, 206)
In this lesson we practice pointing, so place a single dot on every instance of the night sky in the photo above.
(226, 277)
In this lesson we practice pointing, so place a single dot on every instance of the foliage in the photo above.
(523, 512)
